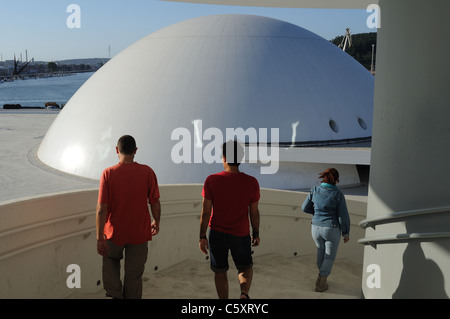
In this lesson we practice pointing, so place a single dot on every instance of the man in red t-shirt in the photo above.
(229, 197)
(124, 222)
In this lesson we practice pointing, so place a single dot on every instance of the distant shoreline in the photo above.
(31, 110)
(48, 106)
(36, 76)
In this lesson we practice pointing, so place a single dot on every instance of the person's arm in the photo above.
(254, 220)
(102, 245)
(204, 220)
(308, 204)
(156, 213)
(344, 218)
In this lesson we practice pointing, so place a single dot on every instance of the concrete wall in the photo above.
(409, 158)
(40, 237)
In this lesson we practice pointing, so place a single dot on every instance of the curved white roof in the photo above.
(222, 71)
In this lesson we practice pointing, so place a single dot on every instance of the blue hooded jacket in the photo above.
(327, 205)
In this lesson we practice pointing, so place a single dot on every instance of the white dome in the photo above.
(224, 71)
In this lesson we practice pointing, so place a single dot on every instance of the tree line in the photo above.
(361, 49)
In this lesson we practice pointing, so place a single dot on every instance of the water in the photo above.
(37, 92)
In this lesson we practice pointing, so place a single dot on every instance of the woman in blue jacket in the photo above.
(330, 218)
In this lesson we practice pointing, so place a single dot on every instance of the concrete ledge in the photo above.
(41, 236)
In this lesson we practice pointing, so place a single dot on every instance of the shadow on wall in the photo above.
(415, 265)
(421, 276)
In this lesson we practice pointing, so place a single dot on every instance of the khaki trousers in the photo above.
(134, 265)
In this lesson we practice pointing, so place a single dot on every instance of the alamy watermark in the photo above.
(374, 279)
(73, 21)
(74, 279)
(374, 19)
(206, 146)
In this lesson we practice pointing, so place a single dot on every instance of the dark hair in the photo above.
(126, 145)
(235, 150)
(330, 176)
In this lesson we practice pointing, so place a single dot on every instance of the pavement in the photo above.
(274, 277)
(22, 174)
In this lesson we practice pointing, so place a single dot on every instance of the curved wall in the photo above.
(60, 231)
(408, 207)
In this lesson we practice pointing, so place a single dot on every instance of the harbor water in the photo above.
(37, 92)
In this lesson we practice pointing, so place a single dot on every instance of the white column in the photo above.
(410, 161)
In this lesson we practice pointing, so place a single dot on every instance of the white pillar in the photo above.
(410, 163)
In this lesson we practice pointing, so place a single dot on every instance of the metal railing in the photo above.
(397, 216)
(383, 219)
(374, 241)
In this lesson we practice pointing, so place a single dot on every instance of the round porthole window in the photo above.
(362, 124)
(333, 125)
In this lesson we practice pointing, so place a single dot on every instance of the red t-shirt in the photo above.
(231, 195)
(127, 189)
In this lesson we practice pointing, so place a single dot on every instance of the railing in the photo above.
(383, 219)
(398, 216)
(374, 241)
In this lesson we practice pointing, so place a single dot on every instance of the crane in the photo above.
(346, 39)
(16, 70)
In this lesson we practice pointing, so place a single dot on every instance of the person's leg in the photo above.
(332, 239)
(320, 244)
(245, 277)
(111, 271)
(218, 252)
(135, 259)
(221, 281)
(241, 251)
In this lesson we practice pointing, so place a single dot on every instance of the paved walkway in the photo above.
(22, 175)
(275, 277)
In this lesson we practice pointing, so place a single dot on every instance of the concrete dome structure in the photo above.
(221, 71)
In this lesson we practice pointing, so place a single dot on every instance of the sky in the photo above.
(109, 26)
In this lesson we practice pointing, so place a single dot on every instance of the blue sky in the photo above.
(39, 26)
